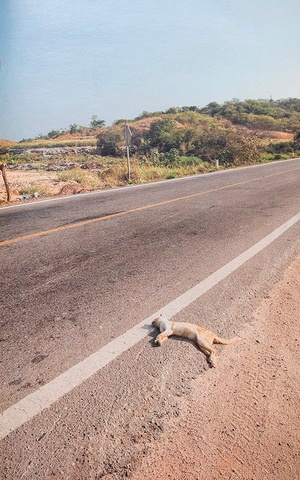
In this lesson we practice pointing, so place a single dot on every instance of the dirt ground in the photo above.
(241, 421)
(47, 182)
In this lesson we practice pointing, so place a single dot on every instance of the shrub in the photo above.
(172, 175)
(280, 147)
(189, 161)
(108, 142)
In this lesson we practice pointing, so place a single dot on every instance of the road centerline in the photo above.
(36, 402)
(135, 210)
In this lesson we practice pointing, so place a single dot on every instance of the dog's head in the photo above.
(157, 321)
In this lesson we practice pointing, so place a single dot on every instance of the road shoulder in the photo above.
(241, 420)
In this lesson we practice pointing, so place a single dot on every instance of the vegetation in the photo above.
(34, 189)
(109, 142)
(74, 129)
(48, 143)
(96, 123)
(235, 133)
(165, 144)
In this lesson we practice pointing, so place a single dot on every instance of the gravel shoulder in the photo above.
(241, 420)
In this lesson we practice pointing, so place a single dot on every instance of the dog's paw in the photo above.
(212, 362)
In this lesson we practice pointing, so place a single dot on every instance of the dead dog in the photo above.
(204, 338)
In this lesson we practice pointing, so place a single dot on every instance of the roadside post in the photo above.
(3, 171)
(127, 136)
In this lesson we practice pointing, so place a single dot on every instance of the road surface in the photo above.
(81, 279)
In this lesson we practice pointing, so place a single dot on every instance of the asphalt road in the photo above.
(78, 272)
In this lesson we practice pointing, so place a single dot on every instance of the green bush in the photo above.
(108, 142)
(189, 161)
(280, 147)
(172, 175)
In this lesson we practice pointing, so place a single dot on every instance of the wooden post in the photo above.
(3, 170)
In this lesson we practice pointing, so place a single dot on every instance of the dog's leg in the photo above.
(162, 337)
(165, 327)
(207, 347)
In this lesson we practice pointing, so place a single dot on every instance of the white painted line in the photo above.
(30, 406)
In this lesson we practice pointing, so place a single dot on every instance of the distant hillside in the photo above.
(233, 133)
(281, 114)
(6, 143)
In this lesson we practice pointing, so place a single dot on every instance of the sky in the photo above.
(63, 61)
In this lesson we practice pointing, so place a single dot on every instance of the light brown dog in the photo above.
(204, 338)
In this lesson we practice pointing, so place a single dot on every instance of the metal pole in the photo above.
(128, 162)
(127, 136)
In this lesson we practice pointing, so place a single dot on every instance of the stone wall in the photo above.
(52, 151)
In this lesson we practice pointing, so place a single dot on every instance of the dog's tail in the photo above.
(226, 341)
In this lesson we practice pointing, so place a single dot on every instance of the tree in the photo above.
(108, 142)
(297, 137)
(213, 108)
(164, 134)
(55, 133)
(190, 135)
(74, 128)
(173, 110)
(96, 122)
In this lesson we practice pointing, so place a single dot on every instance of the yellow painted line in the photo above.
(134, 210)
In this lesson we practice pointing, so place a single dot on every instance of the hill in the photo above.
(234, 133)
(166, 144)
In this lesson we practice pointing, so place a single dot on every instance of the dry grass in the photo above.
(83, 177)
(56, 143)
(6, 143)
(97, 176)
(37, 184)
(34, 189)
(117, 174)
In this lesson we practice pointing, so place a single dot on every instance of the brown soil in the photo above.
(270, 135)
(46, 182)
(241, 420)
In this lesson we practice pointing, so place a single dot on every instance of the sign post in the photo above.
(127, 136)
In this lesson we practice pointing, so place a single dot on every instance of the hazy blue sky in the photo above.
(63, 61)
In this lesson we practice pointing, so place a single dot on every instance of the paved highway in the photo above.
(77, 273)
